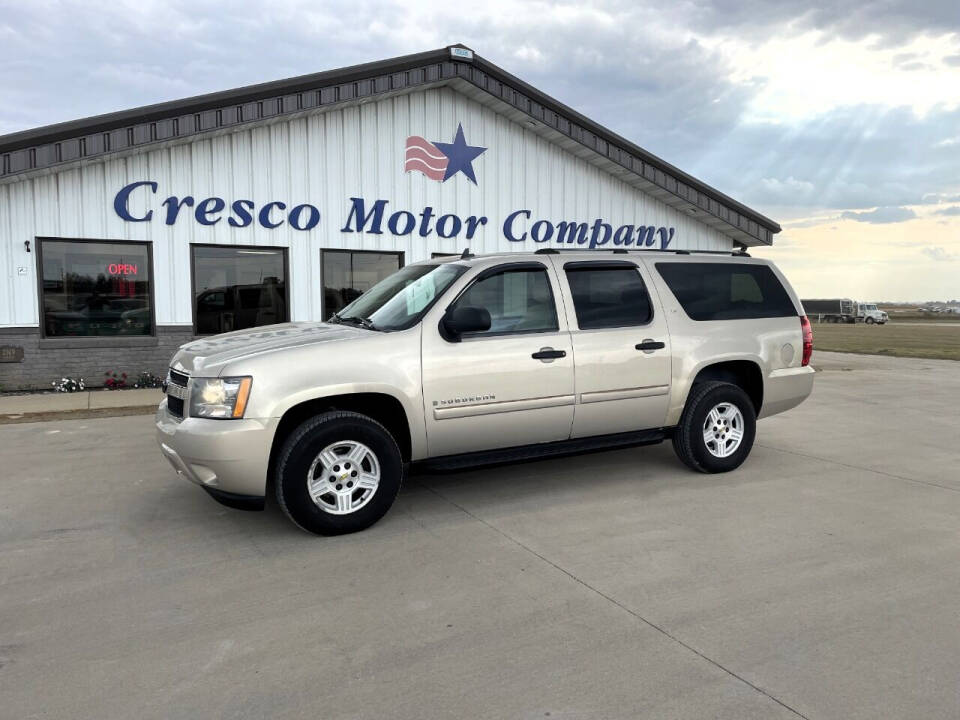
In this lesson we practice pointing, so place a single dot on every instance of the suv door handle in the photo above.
(548, 354)
(651, 345)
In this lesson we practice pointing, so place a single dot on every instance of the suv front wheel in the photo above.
(717, 428)
(338, 473)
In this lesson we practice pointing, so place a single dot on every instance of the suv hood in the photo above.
(210, 353)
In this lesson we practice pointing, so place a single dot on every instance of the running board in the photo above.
(541, 451)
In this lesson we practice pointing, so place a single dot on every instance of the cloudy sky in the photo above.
(840, 119)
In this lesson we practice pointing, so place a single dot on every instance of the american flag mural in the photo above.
(440, 161)
(424, 156)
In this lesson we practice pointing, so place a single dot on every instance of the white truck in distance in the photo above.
(844, 310)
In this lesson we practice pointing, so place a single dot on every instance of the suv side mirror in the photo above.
(462, 320)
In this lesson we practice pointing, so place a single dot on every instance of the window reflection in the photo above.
(237, 287)
(347, 274)
(95, 288)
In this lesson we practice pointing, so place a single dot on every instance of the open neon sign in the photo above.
(122, 269)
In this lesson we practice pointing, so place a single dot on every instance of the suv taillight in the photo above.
(807, 340)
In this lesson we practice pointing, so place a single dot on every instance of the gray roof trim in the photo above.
(46, 147)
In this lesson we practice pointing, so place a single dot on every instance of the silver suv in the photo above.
(487, 359)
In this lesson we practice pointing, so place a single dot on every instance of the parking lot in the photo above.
(821, 580)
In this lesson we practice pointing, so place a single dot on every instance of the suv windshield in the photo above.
(400, 300)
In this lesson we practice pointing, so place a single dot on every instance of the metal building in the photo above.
(125, 235)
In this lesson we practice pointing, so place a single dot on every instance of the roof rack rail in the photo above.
(624, 251)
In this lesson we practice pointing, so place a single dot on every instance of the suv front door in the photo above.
(621, 345)
(510, 385)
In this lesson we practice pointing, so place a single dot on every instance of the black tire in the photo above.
(304, 445)
(869, 321)
(688, 441)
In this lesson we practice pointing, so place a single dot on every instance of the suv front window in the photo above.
(400, 300)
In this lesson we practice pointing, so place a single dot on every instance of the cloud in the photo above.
(881, 215)
(952, 60)
(887, 22)
(938, 253)
(952, 211)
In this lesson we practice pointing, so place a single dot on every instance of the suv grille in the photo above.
(176, 392)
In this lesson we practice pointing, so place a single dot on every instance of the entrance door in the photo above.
(622, 349)
(510, 385)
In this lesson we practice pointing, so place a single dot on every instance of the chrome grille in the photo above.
(176, 392)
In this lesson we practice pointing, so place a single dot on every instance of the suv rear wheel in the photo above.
(717, 428)
(338, 473)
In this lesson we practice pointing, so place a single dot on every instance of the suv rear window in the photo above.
(727, 291)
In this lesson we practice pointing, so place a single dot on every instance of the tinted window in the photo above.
(517, 300)
(347, 274)
(727, 291)
(236, 288)
(95, 288)
(608, 297)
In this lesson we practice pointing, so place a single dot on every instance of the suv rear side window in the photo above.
(518, 300)
(727, 291)
(608, 296)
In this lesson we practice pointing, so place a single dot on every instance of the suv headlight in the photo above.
(219, 398)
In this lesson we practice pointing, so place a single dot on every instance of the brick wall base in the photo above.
(47, 360)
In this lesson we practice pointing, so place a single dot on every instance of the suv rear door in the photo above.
(511, 385)
(621, 347)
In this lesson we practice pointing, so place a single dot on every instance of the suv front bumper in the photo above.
(228, 458)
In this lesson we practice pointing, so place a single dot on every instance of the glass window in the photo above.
(518, 300)
(349, 273)
(238, 287)
(727, 291)
(95, 288)
(608, 297)
(400, 300)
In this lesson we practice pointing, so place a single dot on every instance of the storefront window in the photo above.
(238, 287)
(349, 273)
(91, 288)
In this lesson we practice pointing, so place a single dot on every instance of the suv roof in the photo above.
(581, 254)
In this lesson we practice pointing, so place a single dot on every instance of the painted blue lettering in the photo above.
(442, 223)
(120, 202)
(473, 222)
(208, 207)
(242, 209)
(409, 222)
(568, 231)
(264, 216)
(173, 205)
(541, 231)
(622, 235)
(426, 216)
(313, 217)
(508, 226)
(664, 238)
(375, 217)
(599, 225)
(645, 235)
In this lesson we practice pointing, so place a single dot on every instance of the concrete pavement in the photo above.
(819, 581)
(27, 403)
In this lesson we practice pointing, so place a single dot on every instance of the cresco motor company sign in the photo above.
(379, 217)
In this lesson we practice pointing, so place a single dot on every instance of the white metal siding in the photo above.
(322, 159)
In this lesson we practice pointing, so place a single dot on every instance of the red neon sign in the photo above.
(122, 269)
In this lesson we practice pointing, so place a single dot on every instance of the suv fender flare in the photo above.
(684, 378)
(412, 408)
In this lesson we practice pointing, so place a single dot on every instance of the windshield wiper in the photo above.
(363, 322)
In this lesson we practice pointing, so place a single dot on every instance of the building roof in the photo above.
(31, 151)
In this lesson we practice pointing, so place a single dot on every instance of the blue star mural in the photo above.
(460, 156)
